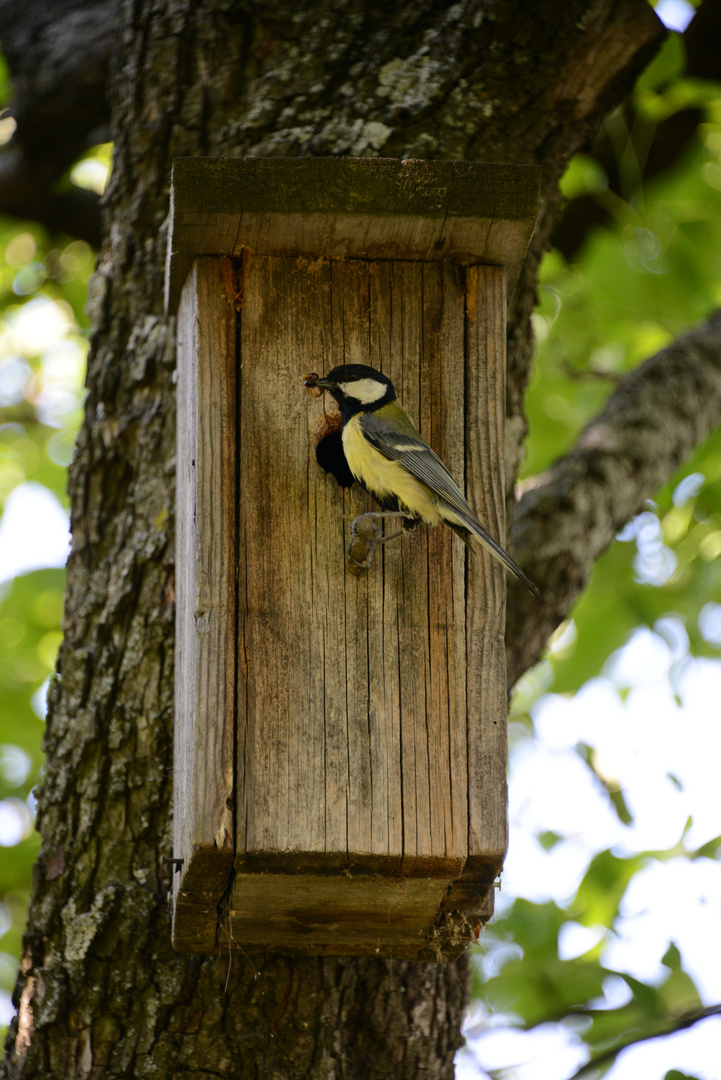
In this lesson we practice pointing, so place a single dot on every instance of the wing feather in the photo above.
(401, 442)
(416, 455)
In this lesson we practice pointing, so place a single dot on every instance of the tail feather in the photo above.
(471, 526)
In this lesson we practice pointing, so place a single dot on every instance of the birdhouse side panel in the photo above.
(205, 603)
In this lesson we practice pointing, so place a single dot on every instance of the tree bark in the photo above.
(101, 994)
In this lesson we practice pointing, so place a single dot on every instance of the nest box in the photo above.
(340, 740)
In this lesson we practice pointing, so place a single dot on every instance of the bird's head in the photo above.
(358, 388)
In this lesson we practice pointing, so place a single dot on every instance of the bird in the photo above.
(393, 462)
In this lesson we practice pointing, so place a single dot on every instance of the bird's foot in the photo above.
(366, 536)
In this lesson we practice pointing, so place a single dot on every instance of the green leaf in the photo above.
(603, 886)
(668, 64)
(619, 805)
(548, 840)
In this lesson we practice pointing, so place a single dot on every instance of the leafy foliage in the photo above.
(652, 272)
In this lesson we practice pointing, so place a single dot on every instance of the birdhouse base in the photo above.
(351, 914)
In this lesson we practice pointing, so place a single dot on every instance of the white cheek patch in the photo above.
(364, 390)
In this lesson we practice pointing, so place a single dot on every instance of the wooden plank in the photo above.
(350, 317)
(205, 603)
(443, 424)
(374, 208)
(363, 186)
(338, 753)
(485, 597)
(406, 569)
(327, 506)
(281, 764)
(384, 708)
(359, 915)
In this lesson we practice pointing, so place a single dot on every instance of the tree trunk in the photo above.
(101, 993)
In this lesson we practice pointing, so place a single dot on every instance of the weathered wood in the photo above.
(375, 208)
(360, 915)
(370, 732)
(205, 603)
(365, 714)
(486, 595)
(336, 755)
(352, 697)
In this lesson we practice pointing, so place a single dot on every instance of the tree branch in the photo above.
(28, 190)
(568, 516)
(58, 56)
(657, 147)
(669, 1027)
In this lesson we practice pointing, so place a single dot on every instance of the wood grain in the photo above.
(370, 735)
(373, 208)
(205, 603)
(349, 745)
(359, 915)
(486, 595)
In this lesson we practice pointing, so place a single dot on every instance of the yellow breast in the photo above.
(383, 477)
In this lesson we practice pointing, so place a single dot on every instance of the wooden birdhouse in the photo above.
(340, 741)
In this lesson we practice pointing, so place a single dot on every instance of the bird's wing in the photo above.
(401, 442)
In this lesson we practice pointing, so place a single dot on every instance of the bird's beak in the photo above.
(327, 384)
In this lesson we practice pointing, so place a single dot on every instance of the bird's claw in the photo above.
(365, 535)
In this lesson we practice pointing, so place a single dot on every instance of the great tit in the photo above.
(390, 459)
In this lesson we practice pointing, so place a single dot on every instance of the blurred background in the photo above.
(605, 953)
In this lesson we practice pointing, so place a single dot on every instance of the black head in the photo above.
(358, 388)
